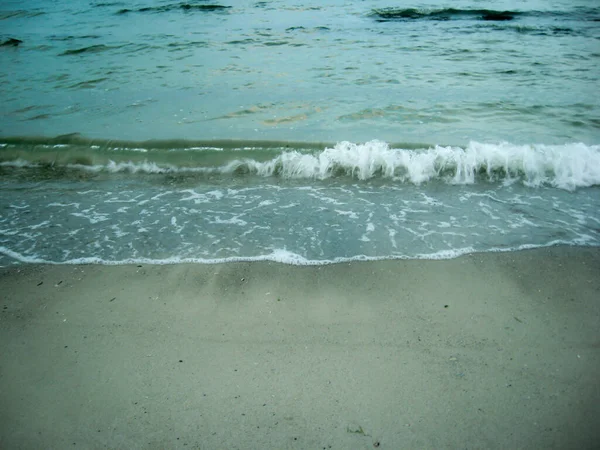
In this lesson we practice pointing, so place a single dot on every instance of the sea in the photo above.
(298, 131)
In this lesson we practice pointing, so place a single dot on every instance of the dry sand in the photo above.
(484, 351)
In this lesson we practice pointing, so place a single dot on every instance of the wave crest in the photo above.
(568, 166)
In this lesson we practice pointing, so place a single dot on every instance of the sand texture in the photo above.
(491, 351)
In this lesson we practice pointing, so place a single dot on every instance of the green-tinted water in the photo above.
(170, 131)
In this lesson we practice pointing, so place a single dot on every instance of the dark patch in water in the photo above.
(240, 41)
(39, 117)
(305, 30)
(275, 43)
(562, 31)
(19, 14)
(586, 14)
(538, 30)
(184, 45)
(76, 139)
(403, 14)
(89, 84)
(387, 14)
(100, 5)
(494, 15)
(71, 37)
(11, 42)
(187, 7)
(175, 6)
(29, 108)
(90, 49)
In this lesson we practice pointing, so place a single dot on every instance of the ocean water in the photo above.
(297, 131)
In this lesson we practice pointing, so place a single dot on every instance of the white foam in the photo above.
(232, 221)
(92, 216)
(286, 257)
(76, 205)
(350, 214)
(392, 235)
(567, 166)
(39, 225)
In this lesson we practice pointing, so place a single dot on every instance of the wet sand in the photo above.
(484, 351)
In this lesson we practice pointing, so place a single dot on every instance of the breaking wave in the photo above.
(568, 166)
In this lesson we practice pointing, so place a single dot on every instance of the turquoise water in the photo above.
(306, 131)
(303, 71)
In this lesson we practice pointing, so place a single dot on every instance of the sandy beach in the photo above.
(494, 351)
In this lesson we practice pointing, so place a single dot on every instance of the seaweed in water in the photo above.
(11, 42)
(186, 7)
(441, 14)
(90, 49)
(175, 6)
(494, 15)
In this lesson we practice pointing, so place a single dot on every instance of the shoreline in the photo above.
(281, 257)
(487, 350)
